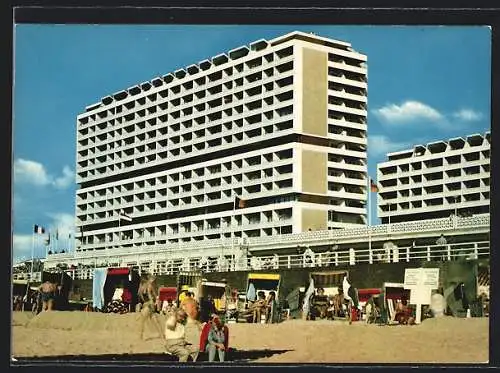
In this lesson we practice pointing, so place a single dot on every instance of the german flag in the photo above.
(373, 186)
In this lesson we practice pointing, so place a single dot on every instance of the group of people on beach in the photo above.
(47, 297)
(184, 334)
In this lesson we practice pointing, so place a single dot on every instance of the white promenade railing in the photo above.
(309, 259)
(358, 234)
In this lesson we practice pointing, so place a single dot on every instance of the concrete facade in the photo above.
(281, 124)
(436, 180)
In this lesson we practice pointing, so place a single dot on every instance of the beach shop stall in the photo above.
(394, 293)
(21, 295)
(265, 282)
(64, 283)
(24, 295)
(167, 297)
(188, 281)
(329, 281)
(167, 294)
(20, 287)
(201, 288)
(374, 294)
(316, 305)
(217, 291)
(261, 282)
(205, 292)
(115, 286)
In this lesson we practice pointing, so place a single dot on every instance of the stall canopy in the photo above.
(264, 276)
(396, 291)
(168, 294)
(326, 279)
(118, 271)
(365, 294)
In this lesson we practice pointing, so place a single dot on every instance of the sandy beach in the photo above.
(444, 340)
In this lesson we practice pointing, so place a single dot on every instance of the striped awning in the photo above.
(483, 278)
(328, 279)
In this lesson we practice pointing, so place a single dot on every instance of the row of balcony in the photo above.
(432, 169)
(138, 165)
(430, 157)
(387, 208)
(231, 72)
(172, 200)
(178, 178)
(186, 147)
(225, 178)
(461, 180)
(187, 87)
(133, 127)
(136, 213)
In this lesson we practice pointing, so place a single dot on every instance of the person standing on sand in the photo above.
(148, 291)
(47, 291)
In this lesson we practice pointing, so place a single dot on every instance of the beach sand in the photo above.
(443, 340)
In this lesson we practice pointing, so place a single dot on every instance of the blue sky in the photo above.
(424, 84)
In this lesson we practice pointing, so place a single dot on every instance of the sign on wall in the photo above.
(421, 282)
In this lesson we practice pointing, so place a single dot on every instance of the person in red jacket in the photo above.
(127, 298)
(215, 338)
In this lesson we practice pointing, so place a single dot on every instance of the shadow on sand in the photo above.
(233, 356)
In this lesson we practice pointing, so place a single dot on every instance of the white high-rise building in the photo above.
(436, 180)
(280, 124)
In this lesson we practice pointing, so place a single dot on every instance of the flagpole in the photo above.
(232, 227)
(32, 253)
(119, 230)
(370, 255)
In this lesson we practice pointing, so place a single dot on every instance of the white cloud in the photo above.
(63, 222)
(468, 115)
(66, 179)
(408, 111)
(31, 172)
(21, 246)
(380, 145)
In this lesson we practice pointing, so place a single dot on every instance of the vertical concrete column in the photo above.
(428, 253)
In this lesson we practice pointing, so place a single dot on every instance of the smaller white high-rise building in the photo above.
(436, 180)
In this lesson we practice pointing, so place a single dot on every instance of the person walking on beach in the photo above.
(147, 292)
(47, 291)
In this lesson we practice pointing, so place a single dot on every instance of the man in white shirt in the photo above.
(175, 335)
